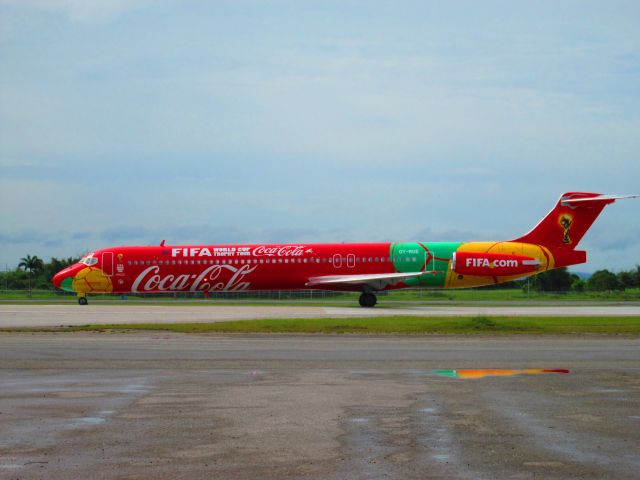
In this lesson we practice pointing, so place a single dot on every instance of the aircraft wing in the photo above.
(376, 281)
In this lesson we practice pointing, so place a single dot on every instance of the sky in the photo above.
(133, 121)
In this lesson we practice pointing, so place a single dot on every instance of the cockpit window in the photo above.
(89, 260)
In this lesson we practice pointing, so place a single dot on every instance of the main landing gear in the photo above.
(82, 300)
(368, 300)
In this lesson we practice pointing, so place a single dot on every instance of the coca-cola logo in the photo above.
(215, 277)
(280, 251)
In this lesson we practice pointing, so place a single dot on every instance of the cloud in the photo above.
(80, 11)
(27, 236)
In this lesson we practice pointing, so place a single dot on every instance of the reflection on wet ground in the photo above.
(492, 372)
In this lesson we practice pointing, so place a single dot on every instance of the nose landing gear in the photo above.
(368, 300)
(82, 300)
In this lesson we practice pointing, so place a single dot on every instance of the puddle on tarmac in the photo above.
(427, 410)
(359, 420)
(440, 457)
(89, 421)
(493, 372)
(101, 417)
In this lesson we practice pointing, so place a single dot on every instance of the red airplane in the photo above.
(360, 267)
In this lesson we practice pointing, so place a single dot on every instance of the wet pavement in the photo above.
(157, 405)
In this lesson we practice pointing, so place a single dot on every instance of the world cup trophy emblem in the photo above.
(565, 222)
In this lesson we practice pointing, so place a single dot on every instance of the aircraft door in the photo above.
(337, 260)
(351, 260)
(107, 263)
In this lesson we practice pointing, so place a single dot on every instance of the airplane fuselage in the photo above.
(208, 268)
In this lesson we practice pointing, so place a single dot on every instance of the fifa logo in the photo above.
(565, 222)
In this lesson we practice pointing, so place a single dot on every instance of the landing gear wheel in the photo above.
(82, 300)
(367, 300)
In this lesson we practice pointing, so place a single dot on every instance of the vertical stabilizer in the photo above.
(569, 220)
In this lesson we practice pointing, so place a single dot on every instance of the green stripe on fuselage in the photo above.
(412, 257)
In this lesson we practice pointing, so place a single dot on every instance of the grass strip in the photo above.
(408, 325)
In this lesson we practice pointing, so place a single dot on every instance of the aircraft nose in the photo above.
(57, 279)
(63, 279)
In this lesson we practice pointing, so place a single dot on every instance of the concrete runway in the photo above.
(167, 406)
(56, 315)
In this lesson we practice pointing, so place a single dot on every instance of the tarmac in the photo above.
(174, 406)
(12, 316)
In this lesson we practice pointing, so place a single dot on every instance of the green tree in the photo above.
(604, 280)
(628, 278)
(578, 284)
(31, 264)
(557, 280)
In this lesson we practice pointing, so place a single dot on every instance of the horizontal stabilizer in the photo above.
(595, 198)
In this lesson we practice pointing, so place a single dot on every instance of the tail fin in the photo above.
(570, 219)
